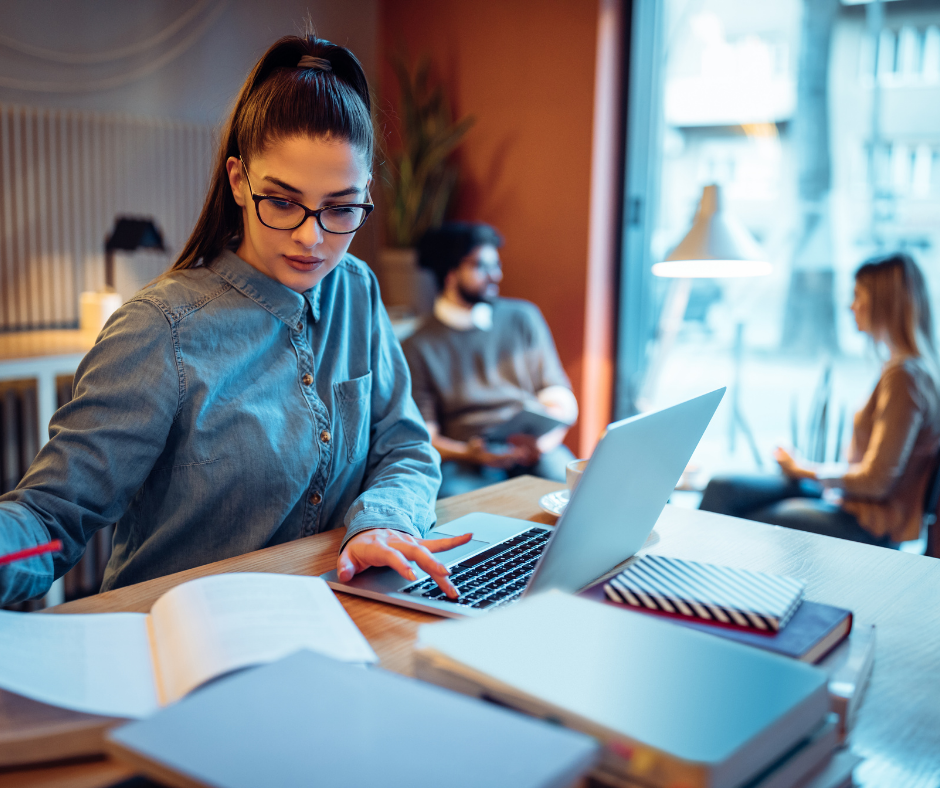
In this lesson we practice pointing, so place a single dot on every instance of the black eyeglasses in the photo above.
(282, 214)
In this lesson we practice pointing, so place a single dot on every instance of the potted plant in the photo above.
(419, 181)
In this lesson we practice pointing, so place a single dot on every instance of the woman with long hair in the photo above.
(877, 497)
(255, 393)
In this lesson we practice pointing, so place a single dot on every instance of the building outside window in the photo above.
(827, 158)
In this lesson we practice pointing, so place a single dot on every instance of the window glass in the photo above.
(826, 159)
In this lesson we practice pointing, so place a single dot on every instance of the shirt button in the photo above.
(315, 498)
(300, 326)
(307, 379)
(325, 436)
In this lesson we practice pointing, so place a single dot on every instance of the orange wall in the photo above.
(526, 71)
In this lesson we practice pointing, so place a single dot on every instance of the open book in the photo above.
(130, 664)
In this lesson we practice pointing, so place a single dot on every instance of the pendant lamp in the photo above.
(716, 246)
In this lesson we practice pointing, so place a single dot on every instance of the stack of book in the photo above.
(757, 609)
(669, 704)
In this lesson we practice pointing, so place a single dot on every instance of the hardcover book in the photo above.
(671, 706)
(312, 721)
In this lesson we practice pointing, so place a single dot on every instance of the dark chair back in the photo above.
(931, 503)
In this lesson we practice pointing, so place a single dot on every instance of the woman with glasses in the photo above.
(255, 393)
(878, 496)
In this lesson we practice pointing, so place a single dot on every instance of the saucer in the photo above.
(555, 502)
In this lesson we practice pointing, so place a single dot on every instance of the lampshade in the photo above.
(716, 246)
(128, 235)
(132, 233)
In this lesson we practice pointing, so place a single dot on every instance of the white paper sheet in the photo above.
(217, 624)
(99, 664)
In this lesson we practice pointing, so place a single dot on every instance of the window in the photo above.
(827, 161)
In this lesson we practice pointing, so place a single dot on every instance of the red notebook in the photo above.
(812, 632)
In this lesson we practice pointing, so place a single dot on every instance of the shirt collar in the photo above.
(282, 302)
(460, 318)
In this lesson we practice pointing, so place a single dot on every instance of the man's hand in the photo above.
(478, 451)
(386, 547)
(526, 448)
(475, 450)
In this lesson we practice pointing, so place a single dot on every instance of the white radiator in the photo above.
(19, 421)
(64, 177)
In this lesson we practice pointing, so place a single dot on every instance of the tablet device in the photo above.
(528, 420)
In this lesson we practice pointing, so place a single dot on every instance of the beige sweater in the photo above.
(895, 444)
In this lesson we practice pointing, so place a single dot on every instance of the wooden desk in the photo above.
(898, 729)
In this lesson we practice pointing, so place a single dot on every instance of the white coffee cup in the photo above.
(573, 473)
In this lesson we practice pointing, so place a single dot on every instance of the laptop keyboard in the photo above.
(493, 577)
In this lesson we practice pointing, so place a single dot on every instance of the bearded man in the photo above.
(478, 359)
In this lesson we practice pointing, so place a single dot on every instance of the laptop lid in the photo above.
(623, 490)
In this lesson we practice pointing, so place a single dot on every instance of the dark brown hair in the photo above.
(281, 100)
(441, 249)
(899, 303)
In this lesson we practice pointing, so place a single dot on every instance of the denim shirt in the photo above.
(220, 412)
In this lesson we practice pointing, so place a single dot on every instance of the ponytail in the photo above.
(300, 87)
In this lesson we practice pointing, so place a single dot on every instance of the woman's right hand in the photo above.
(388, 547)
(790, 466)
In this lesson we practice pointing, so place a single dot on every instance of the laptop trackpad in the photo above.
(449, 556)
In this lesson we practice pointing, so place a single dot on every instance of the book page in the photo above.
(98, 664)
(211, 626)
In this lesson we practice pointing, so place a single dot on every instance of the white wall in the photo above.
(199, 85)
(192, 75)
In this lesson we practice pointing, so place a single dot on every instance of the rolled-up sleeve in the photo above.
(403, 469)
(897, 420)
(102, 446)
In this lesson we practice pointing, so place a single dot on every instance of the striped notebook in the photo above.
(718, 594)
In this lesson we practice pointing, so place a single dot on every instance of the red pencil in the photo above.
(50, 547)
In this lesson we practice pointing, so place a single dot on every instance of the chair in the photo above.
(926, 543)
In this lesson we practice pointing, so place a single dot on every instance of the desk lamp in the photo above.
(129, 234)
(716, 246)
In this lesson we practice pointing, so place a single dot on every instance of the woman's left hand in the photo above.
(386, 547)
(790, 466)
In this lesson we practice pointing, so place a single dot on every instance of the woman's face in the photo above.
(861, 308)
(314, 172)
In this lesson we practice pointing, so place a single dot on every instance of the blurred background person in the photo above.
(877, 497)
(477, 359)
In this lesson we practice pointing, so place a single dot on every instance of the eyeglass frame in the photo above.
(368, 207)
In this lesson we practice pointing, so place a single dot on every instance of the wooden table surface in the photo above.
(898, 729)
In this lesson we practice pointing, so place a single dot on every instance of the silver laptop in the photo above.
(622, 492)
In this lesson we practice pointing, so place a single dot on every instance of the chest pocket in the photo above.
(353, 398)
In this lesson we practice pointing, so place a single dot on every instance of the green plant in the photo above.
(420, 179)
